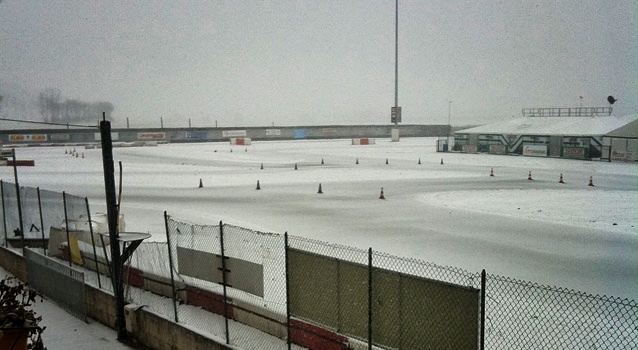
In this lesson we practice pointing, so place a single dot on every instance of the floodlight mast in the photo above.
(396, 63)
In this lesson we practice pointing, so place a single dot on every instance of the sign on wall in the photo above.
(28, 138)
(196, 135)
(234, 133)
(498, 149)
(535, 150)
(574, 152)
(273, 132)
(299, 134)
(151, 135)
(469, 149)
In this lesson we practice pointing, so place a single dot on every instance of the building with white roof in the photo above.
(613, 138)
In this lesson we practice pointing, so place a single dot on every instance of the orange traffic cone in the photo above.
(201, 184)
(381, 196)
(491, 171)
(560, 180)
(591, 182)
(258, 187)
(320, 191)
(529, 177)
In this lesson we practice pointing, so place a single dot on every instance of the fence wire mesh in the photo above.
(421, 305)
(328, 294)
(328, 287)
(251, 311)
(525, 315)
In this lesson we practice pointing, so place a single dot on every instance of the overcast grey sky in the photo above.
(323, 62)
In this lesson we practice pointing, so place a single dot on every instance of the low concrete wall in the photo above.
(150, 329)
(13, 263)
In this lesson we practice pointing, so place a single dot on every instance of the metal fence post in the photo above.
(66, 227)
(88, 212)
(482, 329)
(170, 263)
(369, 298)
(4, 215)
(15, 175)
(289, 342)
(41, 221)
(221, 241)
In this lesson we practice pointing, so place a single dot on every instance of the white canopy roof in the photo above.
(566, 126)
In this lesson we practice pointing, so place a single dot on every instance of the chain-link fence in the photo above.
(42, 219)
(258, 290)
(525, 315)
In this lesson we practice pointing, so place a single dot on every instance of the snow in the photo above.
(574, 126)
(570, 235)
(65, 331)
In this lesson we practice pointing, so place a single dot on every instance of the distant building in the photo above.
(609, 138)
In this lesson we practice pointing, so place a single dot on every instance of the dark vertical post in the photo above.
(4, 215)
(127, 125)
(97, 265)
(287, 290)
(161, 123)
(170, 264)
(221, 240)
(111, 209)
(15, 175)
(369, 298)
(66, 227)
(482, 330)
(41, 221)
(396, 62)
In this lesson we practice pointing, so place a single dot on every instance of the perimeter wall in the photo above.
(90, 135)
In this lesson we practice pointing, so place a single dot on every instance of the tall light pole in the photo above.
(449, 122)
(396, 60)
(396, 110)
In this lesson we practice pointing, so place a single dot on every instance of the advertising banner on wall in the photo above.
(273, 132)
(469, 149)
(299, 134)
(28, 138)
(196, 135)
(151, 135)
(498, 149)
(234, 133)
(60, 137)
(574, 152)
(534, 150)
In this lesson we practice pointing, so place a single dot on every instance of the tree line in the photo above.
(54, 109)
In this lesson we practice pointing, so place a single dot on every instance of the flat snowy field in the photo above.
(569, 235)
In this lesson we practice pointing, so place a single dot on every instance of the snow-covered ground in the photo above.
(571, 235)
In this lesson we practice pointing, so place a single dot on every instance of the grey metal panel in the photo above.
(62, 284)
(241, 274)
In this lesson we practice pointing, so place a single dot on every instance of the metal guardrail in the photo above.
(567, 112)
